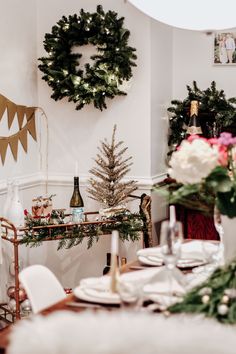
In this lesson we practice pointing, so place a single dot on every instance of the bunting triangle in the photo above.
(23, 139)
(32, 128)
(20, 110)
(3, 105)
(29, 112)
(13, 142)
(3, 149)
(11, 111)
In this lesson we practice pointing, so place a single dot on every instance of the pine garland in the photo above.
(129, 225)
(211, 103)
(107, 188)
(215, 298)
(111, 66)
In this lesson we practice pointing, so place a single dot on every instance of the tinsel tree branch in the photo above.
(105, 185)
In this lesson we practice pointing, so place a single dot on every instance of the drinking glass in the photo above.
(218, 224)
(219, 228)
(212, 254)
(170, 241)
(131, 294)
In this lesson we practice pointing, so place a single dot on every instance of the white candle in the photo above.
(76, 169)
(172, 215)
(114, 242)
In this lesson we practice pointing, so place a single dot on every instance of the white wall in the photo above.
(75, 135)
(193, 60)
(18, 77)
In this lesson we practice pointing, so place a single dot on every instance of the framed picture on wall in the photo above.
(225, 48)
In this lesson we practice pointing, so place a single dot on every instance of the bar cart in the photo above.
(14, 235)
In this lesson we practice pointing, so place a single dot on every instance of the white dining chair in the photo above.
(42, 287)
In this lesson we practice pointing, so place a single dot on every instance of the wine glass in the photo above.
(219, 228)
(170, 242)
(131, 294)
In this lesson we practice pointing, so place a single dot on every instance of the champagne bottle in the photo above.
(194, 126)
(76, 203)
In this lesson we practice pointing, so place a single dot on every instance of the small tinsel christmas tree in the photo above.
(107, 188)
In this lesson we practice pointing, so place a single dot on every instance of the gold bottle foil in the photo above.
(194, 108)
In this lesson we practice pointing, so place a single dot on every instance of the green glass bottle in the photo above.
(77, 203)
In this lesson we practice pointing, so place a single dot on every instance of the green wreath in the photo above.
(111, 66)
(212, 103)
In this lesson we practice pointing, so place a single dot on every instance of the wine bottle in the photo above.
(108, 264)
(194, 126)
(107, 267)
(76, 203)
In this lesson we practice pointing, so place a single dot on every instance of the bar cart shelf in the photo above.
(14, 235)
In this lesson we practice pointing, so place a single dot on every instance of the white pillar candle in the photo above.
(172, 215)
(114, 242)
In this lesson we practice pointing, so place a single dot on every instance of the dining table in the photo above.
(70, 303)
(73, 304)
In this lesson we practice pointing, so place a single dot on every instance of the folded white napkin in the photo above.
(155, 282)
(190, 251)
(103, 283)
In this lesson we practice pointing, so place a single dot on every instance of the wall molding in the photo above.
(39, 179)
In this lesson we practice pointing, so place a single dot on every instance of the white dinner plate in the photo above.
(192, 254)
(181, 263)
(98, 296)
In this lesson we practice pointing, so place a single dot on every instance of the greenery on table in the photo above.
(112, 65)
(203, 175)
(216, 297)
(211, 102)
(128, 224)
(196, 196)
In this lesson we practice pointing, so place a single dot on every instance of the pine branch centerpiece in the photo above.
(107, 186)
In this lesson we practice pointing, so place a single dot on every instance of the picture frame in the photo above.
(224, 48)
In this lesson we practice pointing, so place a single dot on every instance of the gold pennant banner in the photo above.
(13, 110)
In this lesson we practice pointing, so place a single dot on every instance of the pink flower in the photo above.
(194, 137)
(213, 141)
(223, 155)
(26, 212)
(226, 139)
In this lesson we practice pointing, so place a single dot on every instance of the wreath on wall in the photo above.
(216, 112)
(112, 65)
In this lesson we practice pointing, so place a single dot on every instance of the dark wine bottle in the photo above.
(107, 267)
(194, 126)
(77, 203)
(108, 264)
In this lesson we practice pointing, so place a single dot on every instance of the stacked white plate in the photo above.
(191, 254)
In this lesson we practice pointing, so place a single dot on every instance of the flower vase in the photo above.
(229, 238)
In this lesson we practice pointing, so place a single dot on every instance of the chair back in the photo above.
(42, 287)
